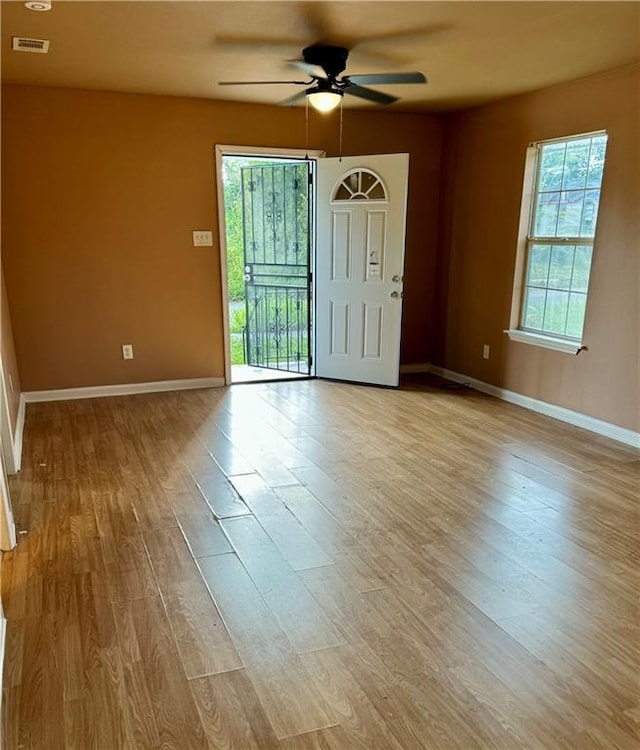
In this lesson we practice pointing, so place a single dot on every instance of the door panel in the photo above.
(276, 240)
(341, 246)
(339, 327)
(372, 333)
(361, 213)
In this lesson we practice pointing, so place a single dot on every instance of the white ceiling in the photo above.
(471, 52)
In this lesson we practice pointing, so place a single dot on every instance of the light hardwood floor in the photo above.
(308, 565)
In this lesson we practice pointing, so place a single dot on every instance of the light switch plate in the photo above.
(202, 237)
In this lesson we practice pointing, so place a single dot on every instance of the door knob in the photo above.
(396, 279)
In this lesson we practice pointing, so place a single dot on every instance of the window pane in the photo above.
(596, 161)
(590, 213)
(546, 215)
(538, 271)
(581, 268)
(377, 192)
(555, 313)
(368, 181)
(533, 314)
(551, 166)
(570, 213)
(351, 181)
(576, 164)
(575, 318)
(561, 266)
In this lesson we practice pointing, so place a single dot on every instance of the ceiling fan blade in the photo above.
(297, 97)
(313, 70)
(387, 78)
(262, 83)
(418, 34)
(370, 94)
(251, 43)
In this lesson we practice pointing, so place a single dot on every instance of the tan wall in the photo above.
(483, 165)
(9, 363)
(100, 194)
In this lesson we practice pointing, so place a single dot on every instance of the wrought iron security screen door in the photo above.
(276, 238)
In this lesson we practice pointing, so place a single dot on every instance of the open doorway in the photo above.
(359, 204)
(266, 228)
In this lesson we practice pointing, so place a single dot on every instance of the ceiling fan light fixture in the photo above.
(324, 101)
(38, 5)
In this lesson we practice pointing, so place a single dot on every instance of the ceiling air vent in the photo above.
(26, 44)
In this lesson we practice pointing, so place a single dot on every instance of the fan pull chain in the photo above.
(306, 131)
(340, 147)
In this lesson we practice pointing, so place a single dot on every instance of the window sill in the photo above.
(546, 342)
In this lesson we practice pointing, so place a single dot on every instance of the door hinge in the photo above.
(310, 178)
(310, 360)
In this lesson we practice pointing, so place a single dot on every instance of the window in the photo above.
(360, 185)
(564, 179)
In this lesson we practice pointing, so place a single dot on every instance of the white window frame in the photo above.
(525, 240)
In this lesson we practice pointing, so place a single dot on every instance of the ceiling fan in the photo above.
(324, 63)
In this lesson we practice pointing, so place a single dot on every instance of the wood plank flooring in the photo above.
(308, 565)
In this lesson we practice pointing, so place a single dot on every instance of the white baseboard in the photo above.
(415, 368)
(3, 637)
(592, 424)
(127, 389)
(621, 434)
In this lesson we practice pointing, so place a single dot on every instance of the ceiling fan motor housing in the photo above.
(331, 58)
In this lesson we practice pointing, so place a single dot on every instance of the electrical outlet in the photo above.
(202, 237)
(127, 351)
(485, 351)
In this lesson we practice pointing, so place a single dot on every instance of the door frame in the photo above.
(8, 465)
(6, 433)
(260, 152)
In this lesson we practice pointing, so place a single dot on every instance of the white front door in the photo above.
(361, 215)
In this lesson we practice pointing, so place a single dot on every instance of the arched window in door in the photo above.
(359, 185)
